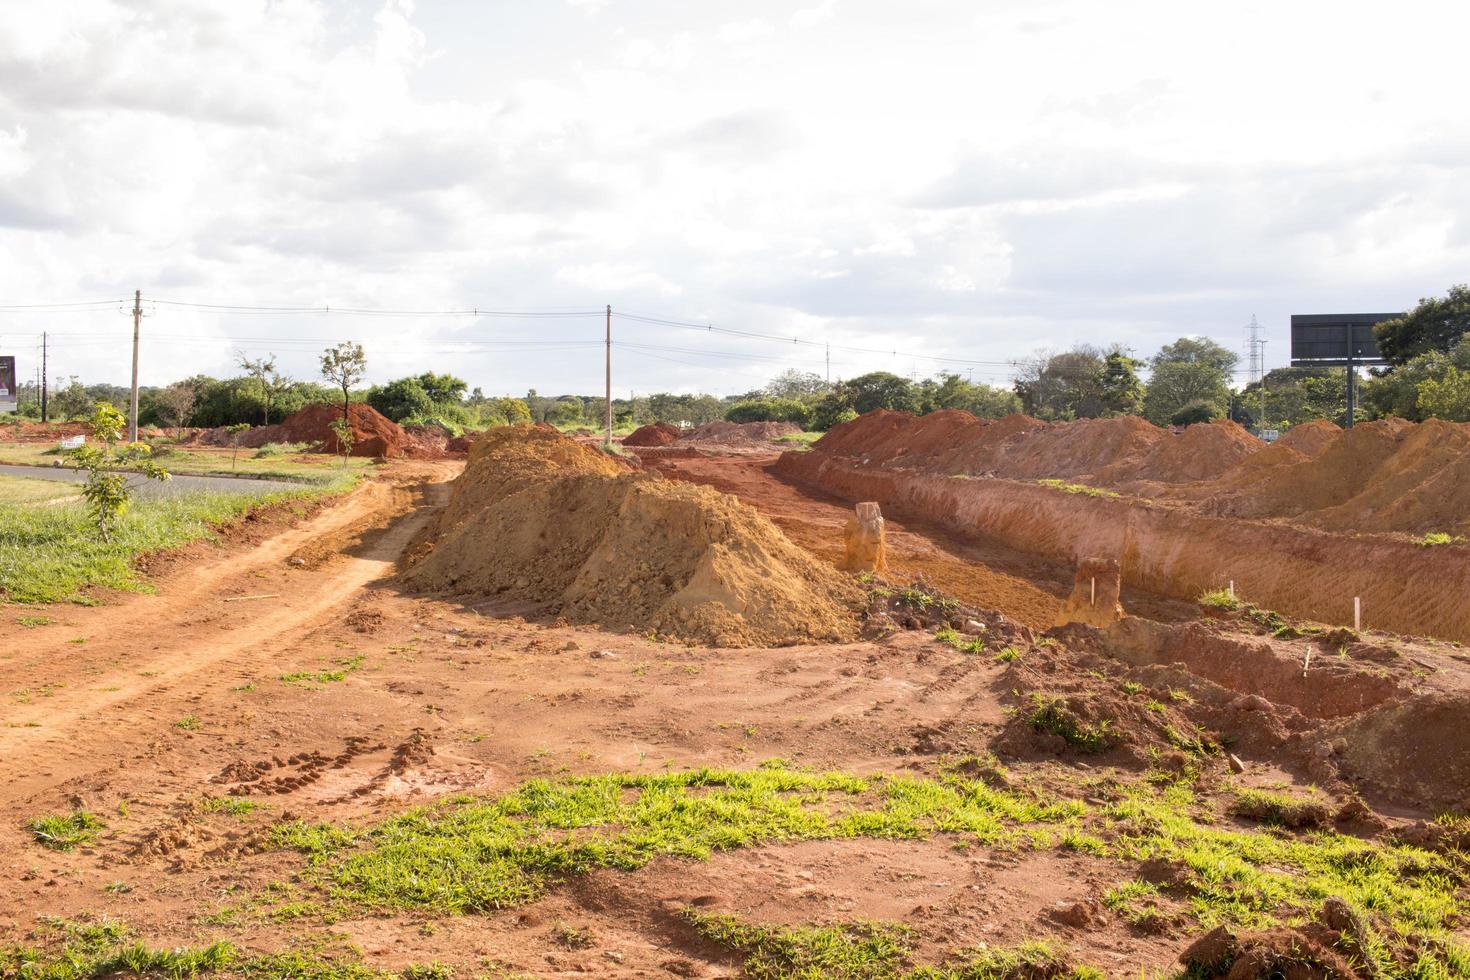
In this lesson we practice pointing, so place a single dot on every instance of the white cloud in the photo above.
(911, 175)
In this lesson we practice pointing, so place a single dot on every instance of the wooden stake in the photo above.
(1357, 614)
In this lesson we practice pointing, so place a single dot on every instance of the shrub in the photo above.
(768, 410)
(1197, 411)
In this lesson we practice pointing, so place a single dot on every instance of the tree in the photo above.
(1196, 412)
(71, 402)
(263, 370)
(234, 433)
(173, 404)
(342, 429)
(881, 389)
(1189, 370)
(791, 383)
(344, 366)
(831, 410)
(1293, 395)
(1446, 397)
(566, 411)
(1121, 393)
(106, 487)
(953, 391)
(1434, 325)
(1062, 386)
(768, 410)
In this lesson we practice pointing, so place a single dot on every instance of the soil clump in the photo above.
(654, 434)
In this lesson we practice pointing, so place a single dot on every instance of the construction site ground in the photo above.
(285, 664)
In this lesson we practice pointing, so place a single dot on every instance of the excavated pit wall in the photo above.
(1170, 551)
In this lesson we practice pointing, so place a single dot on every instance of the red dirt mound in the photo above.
(372, 433)
(1200, 452)
(1310, 438)
(540, 517)
(657, 434)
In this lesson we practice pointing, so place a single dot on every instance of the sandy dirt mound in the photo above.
(372, 433)
(1412, 749)
(1101, 451)
(748, 434)
(540, 517)
(1310, 438)
(656, 434)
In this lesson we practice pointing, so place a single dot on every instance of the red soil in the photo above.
(656, 434)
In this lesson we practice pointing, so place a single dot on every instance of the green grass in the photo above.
(1282, 809)
(347, 666)
(233, 805)
(870, 951)
(1078, 488)
(1051, 714)
(1435, 539)
(1008, 655)
(475, 854)
(84, 950)
(1219, 599)
(958, 640)
(316, 468)
(188, 723)
(64, 831)
(22, 491)
(53, 554)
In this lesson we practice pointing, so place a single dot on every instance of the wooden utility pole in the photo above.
(133, 404)
(609, 374)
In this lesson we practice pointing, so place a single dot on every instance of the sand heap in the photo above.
(372, 433)
(538, 516)
(1106, 452)
(656, 434)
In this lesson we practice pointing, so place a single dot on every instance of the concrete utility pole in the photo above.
(609, 374)
(43, 377)
(133, 404)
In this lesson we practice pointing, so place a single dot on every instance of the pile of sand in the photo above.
(742, 435)
(372, 433)
(656, 434)
(538, 516)
(1105, 452)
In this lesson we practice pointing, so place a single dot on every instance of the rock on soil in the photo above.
(541, 517)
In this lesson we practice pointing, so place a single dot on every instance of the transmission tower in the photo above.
(1256, 358)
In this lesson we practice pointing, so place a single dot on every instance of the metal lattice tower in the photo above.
(1256, 359)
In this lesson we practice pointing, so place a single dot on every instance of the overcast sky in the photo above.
(966, 179)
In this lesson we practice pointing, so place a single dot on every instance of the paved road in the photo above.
(180, 484)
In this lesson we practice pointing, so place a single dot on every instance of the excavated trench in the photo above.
(1174, 551)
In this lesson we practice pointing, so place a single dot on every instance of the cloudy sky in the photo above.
(965, 179)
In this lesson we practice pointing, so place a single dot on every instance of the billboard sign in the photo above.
(8, 389)
(1336, 339)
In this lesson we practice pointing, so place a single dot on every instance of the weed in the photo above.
(869, 950)
(188, 723)
(1008, 655)
(233, 805)
(1051, 714)
(1435, 539)
(958, 640)
(346, 666)
(1132, 687)
(62, 832)
(570, 936)
(1219, 599)
(1079, 488)
(31, 622)
(117, 888)
(1281, 809)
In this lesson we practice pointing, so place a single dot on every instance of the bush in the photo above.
(831, 411)
(768, 410)
(1195, 412)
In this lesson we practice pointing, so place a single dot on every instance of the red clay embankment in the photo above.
(1174, 550)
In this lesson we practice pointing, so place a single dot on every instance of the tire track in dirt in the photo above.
(185, 644)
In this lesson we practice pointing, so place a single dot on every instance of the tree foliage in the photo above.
(1192, 369)
(1062, 386)
(1447, 396)
(106, 488)
(1436, 324)
(344, 366)
(768, 410)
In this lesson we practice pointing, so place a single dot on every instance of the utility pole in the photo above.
(44, 376)
(133, 405)
(609, 374)
(829, 362)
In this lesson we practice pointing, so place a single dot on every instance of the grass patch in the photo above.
(1435, 539)
(211, 461)
(85, 950)
(62, 832)
(958, 640)
(1078, 488)
(1051, 714)
(23, 491)
(233, 805)
(1008, 655)
(51, 554)
(274, 449)
(879, 951)
(346, 667)
(188, 723)
(475, 854)
(1281, 809)
(1219, 599)
(31, 622)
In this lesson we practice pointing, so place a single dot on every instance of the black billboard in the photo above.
(7, 383)
(1336, 339)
